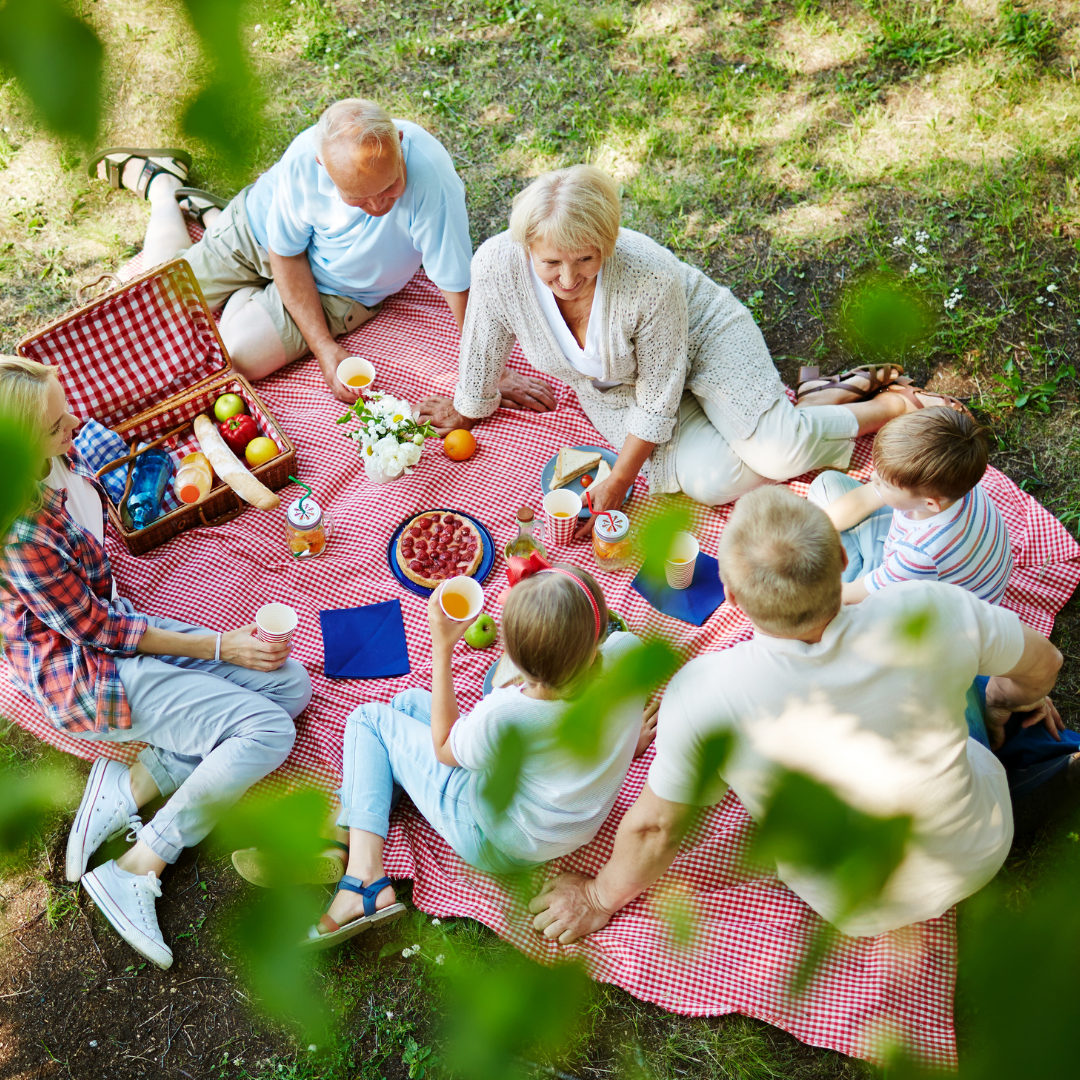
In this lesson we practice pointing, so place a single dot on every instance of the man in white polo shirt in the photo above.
(869, 699)
(308, 252)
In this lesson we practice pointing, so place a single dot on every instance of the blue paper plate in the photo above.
(487, 560)
(575, 485)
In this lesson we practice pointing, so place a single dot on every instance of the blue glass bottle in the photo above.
(151, 472)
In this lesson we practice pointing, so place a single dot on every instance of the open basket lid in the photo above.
(150, 339)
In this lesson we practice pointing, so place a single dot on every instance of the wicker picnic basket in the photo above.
(145, 360)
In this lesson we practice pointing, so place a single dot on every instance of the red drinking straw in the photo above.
(588, 502)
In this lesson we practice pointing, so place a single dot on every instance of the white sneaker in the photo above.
(106, 810)
(127, 901)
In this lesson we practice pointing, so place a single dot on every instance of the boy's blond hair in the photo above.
(549, 628)
(781, 558)
(933, 453)
(571, 209)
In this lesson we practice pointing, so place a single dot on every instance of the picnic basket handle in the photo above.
(226, 515)
(82, 290)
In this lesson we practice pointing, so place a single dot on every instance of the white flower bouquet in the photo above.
(388, 437)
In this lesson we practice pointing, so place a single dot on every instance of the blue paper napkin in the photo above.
(692, 605)
(365, 642)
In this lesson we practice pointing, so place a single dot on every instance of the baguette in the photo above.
(230, 469)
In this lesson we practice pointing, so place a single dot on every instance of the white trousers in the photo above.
(713, 467)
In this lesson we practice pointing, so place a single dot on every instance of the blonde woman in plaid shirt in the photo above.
(216, 709)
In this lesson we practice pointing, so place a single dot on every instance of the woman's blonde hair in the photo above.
(571, 209)
(550, 629)
(24, 390)
(24, 399)
(781, 558)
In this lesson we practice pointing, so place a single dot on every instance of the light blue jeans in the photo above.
(388, 748)
(865, 543)
(213, 730)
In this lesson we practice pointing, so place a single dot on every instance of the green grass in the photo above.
(787, 148)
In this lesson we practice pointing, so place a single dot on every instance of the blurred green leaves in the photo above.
(224, 113)
(501, 782)
(584, 725)
(57, 59)
(25, 801)
(808, 825)
(514, 1009)
(657, 532)
(883, 318)
(287, 831)
(21, 455)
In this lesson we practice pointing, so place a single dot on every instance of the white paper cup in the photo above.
(356, 367)
(465, 590)
(275, 622)
(682, 557)
(561, 509)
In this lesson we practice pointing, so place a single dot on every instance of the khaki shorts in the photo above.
(228, 257)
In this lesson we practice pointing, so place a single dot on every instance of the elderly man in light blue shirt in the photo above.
(308, 252)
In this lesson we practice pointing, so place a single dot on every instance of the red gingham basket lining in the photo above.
(133, 349)
(752, 929)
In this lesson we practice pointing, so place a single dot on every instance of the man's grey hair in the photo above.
(357, 121)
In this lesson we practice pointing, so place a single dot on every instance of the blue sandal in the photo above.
(328, 933)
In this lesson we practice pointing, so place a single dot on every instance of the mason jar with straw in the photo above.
(308, 527)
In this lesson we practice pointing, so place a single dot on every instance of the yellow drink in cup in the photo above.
(461, 598)
(355, 372)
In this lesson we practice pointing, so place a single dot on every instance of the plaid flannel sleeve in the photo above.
(63, 601)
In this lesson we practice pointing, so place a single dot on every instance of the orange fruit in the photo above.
(459, 445)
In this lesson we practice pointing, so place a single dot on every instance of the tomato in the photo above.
(586, 480)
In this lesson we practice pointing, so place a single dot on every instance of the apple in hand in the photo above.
(229, 405)
(482, 633)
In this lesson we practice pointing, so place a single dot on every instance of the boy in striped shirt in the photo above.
(924, 515)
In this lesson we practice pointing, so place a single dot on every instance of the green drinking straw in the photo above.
(306, 488)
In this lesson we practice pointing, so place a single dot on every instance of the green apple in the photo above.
(482, 633)
(227, 406)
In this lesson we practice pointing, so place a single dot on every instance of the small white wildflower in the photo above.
(389, 1015)
(406, 953)
(922, 236)
(434, 922)
(1049, 288)
(539, 17)
(337, 67)
(440, 959)
(93, 1042)
(1050, 304)
(1040, 299)
(897, 241)
(258, 27)
(427, 93)
(922, 249)
(510, 18)
(913, 268)
(740, 69)
(311, 1049)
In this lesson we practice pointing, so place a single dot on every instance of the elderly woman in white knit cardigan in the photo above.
(667, 364)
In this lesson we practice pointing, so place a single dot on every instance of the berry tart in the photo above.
(436, 546)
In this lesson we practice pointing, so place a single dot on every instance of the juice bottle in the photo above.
(149, 475)
(194, 478)
(613, 545)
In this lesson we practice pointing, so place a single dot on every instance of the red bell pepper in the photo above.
(238, 431)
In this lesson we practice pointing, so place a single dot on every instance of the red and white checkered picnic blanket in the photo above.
(750, 930)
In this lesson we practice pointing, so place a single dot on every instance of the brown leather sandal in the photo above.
(911, 392)
(879, 376)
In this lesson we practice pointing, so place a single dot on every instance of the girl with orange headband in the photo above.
(554, 628)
